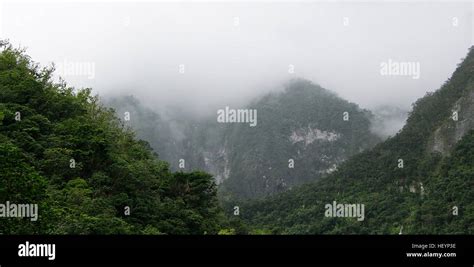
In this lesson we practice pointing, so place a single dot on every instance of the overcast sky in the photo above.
(233, 51)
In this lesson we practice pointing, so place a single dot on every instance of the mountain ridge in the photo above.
(403, 184)
(301, 135)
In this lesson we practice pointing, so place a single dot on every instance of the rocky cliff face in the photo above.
(455, 128)
(302, 134)
(420, 180)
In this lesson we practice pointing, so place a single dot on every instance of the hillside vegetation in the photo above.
(301, 135)
(61, 149)
(431, 192)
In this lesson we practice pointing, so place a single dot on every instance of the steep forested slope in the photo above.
(61, 149)
(148, 125)
(419, 181)
(301, 135)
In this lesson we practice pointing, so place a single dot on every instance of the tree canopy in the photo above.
(62, 149)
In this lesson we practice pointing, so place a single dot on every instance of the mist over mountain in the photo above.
(61, 149)
(200, 117)
(303, 133)
(388, 120)
(198, 56)
(418, 182)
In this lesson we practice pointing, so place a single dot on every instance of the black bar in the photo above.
(224, 250)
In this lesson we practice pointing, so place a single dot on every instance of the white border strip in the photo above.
(239, 1)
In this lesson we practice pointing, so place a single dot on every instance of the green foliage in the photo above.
(253, 162)
(259, 156)
(227, 232)
(85, 170)
(393, 197)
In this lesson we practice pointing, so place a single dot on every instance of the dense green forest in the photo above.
(90, 172)
(61, 149)
(301, 136)
(432, 191)
(173, 136)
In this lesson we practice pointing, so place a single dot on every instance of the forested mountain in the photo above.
(149, 125)
(176, 136)
(418, 182)
(85, 167)
(61, 149)
(302, 134)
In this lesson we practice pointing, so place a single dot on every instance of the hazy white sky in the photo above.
(233, 51)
